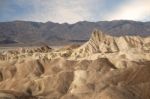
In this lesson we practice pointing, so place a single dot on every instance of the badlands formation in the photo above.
(105, 67)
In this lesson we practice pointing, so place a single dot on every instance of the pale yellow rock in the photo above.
(105, 67)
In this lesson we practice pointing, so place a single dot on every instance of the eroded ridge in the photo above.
(105, 67)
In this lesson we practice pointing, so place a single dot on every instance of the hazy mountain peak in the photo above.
(27, 32)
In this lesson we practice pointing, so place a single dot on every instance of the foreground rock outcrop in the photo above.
(105, 67)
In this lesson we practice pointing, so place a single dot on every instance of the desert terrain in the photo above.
(104, 67)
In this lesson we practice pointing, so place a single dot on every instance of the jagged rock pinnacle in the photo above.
(100, 42)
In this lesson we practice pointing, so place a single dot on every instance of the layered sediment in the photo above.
(105, 67)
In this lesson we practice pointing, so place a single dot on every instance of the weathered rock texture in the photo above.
(105, 67)
(102, 43)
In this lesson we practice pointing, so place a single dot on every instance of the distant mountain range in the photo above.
(27, 32)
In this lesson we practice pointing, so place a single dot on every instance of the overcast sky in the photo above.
(72, 11)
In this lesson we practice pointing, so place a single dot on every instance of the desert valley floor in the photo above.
(105, 67)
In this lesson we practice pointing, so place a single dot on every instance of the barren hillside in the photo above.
(105, 67)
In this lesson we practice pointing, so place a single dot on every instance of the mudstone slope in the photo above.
(105, 67)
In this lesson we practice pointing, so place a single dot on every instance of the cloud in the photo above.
(58, 10)
(72, 11)
(132, 10)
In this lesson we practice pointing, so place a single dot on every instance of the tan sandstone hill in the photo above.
(102, 43)
(105, 67)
